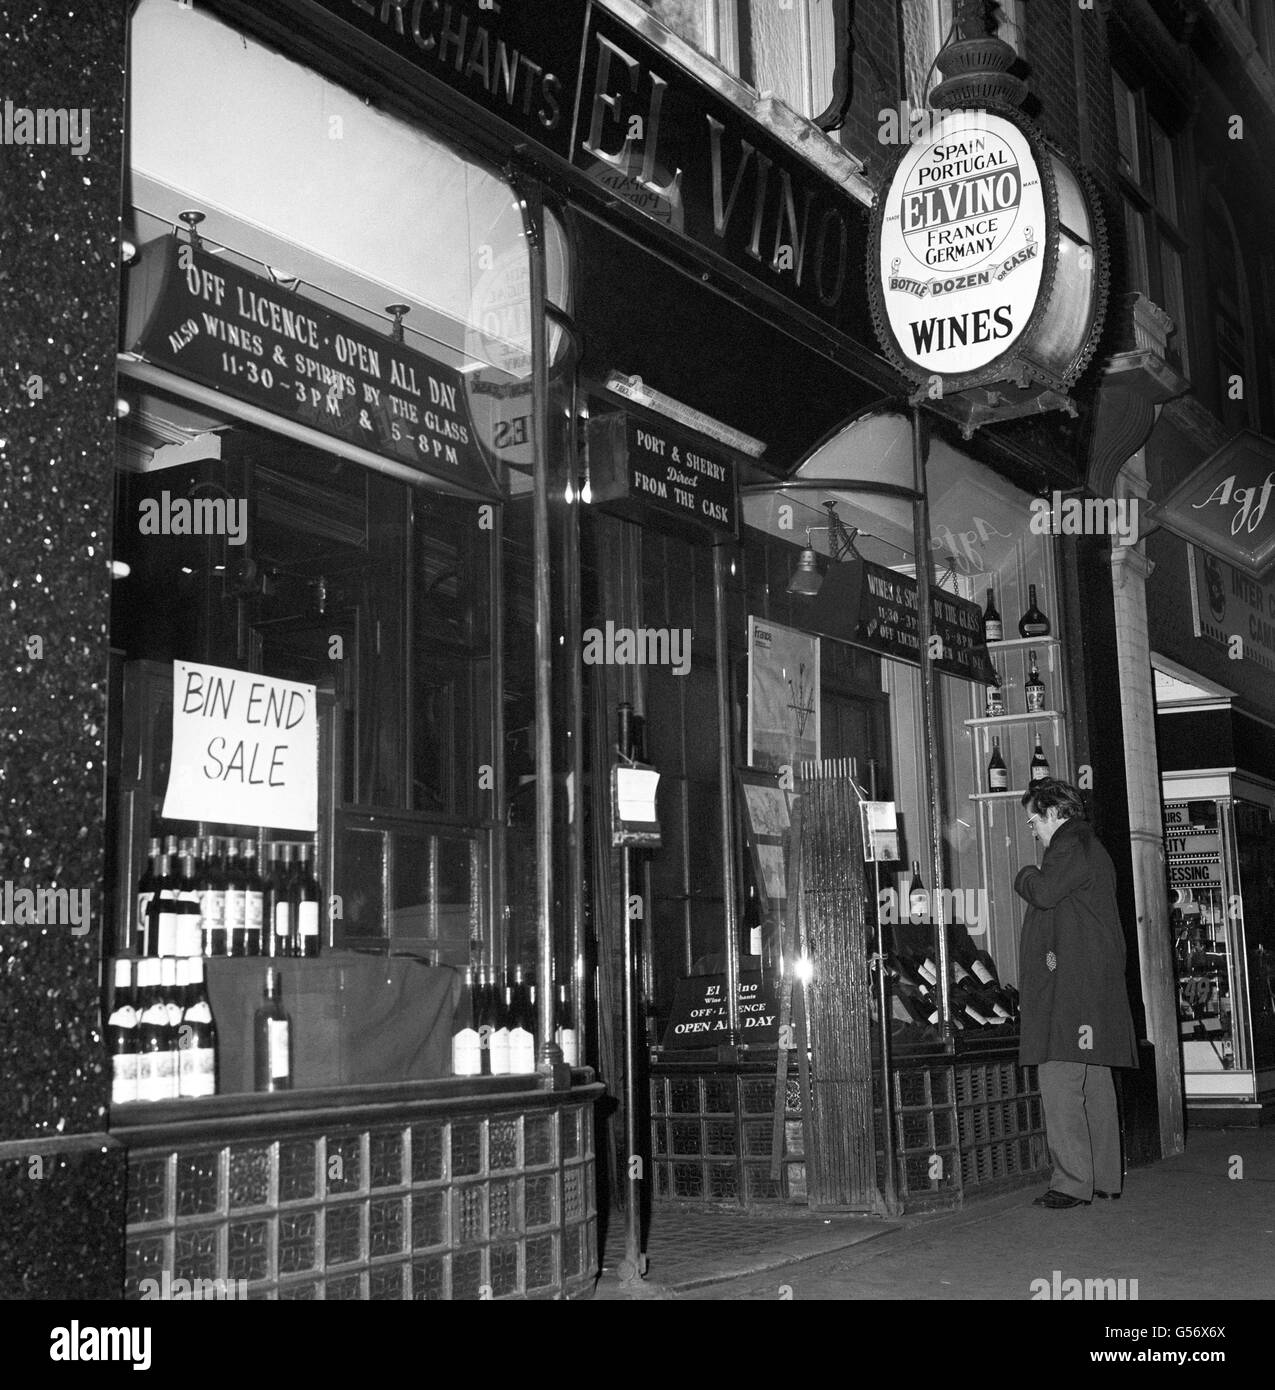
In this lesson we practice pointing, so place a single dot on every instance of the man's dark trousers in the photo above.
(1082, 1126)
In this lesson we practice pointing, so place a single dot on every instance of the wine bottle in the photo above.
(482, 1020)
(919, 1010)
(997, 772)
(906, 970)
(499, 1028)
(967, 1005)
(197, 1054)
(173, 1003)
(272, 1039)
(466, 1052)
(156, 1059)
(144, 943)
(254, 890)
(565, 1029)
(123, 1036)
(995, 695)
(522, 1028)
(1039, 763)
(164, 907)
(918, 898)
(190, 918)
(283, 931)
(236, 907)
(1033, 623)
(989, 989)
(304, 897)
(1035, 688)
(993, 628)
(211, 886)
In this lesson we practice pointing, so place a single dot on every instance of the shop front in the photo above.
(1213, 654)
(482, 455)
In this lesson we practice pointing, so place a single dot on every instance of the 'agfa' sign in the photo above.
(1225, 504)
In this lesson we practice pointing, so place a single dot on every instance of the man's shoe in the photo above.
(1107, 1196)
(1057, 1200)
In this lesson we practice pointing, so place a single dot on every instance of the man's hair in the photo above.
(1049, 794)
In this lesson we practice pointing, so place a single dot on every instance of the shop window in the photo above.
(365, 465)
(1147, 164)
(982, 539)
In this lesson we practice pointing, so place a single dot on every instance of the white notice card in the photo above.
(245, 749)
(635, 794)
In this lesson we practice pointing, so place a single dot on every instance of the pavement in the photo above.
(1199, 1226)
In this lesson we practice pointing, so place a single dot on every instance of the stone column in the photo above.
(1130, 569)
(1136, 383)
(61, 1177)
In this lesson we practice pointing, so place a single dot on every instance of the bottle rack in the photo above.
(1017, 752)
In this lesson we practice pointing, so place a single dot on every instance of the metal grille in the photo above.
(833, 912)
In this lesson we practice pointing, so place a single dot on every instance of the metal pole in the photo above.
(885, 1004)
(575, 732)
(497, 896)
(725, 774)
(929, 722)
(532, 208)
(633, 1266)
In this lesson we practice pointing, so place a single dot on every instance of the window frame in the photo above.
(1162, 233)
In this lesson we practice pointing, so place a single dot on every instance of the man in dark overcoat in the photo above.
(1076, 1023)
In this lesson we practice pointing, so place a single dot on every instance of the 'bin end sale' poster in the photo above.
(245, 749)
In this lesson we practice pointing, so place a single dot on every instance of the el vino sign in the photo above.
(962, 231)
(988, 268)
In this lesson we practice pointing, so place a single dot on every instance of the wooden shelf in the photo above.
(1013, 718)
(1021, 643)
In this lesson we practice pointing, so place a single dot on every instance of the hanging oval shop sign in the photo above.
(987, 268)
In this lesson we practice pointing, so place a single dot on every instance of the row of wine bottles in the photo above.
(998, 771)
(162, 1036)
(205, 897)
(977, 998)
(1033, 623)
(1033, 691)
(495, 1029)
(161, 1033)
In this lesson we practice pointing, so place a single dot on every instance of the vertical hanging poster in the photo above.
(783, 695)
